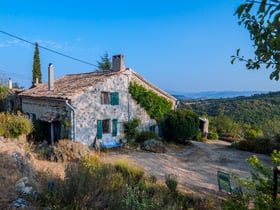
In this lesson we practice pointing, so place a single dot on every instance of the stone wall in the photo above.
(89, 109)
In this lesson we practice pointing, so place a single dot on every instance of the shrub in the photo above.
(213, 135)
(130, 129)
(146, 135)
(171, 182)
(14, 125)
(130, 172)
(180, 126)
(259, 145)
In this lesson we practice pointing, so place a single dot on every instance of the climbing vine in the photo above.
(156, 106)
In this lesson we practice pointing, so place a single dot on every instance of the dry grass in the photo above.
(9, 174)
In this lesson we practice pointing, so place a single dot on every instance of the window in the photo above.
(110, 98)
(106, 126)
(105, 98)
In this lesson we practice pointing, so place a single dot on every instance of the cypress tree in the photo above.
(36, 72)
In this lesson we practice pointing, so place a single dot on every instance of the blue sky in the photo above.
(179, 45)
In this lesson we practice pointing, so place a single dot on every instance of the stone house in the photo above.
(89, 107)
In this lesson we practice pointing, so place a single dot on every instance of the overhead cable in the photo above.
(48, 49)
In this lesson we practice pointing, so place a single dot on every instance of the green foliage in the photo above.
(14, 125)
(3, 91)
(105, 63)
(36, 72)
(213, 135)
(130, 129)
(257, 188)
(180, 125)
(252, 132)
(129, 171)
(260, 110)
(156, 106)
(146, 135)
(261, 19)
(171, 182)
(257, 145)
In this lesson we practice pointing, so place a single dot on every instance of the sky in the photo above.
(179, 45)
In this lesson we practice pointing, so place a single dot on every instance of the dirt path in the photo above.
(195, 167)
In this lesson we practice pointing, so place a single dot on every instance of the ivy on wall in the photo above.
(155, 105)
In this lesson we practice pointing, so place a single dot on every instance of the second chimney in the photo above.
(51, 77)
(10, 83)
(118, 63)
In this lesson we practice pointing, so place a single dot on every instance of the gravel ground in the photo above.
(195, 167)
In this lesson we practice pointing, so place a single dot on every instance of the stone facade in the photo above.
(89, 109)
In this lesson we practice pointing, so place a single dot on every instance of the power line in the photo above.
(45, 48)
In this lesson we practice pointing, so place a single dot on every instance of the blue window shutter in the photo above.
(115, 127)
(114, 98)
(99, 129)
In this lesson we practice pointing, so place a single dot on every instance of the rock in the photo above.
(153, 145)
(19, 203)
(21, 186)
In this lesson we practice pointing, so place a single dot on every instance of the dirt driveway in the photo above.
(195, 167)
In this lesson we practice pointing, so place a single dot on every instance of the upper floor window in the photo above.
(110, 98)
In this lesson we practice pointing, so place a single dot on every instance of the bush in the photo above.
(213, 135)
(14, 125)
(130, 129)
(171, 182)
(130, 172)
(180, 126)
(260, 145)
(146, 135)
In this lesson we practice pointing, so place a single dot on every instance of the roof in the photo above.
(68, 86)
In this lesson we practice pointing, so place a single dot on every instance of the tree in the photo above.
(261, 19)
(105, 63)
(36, 72)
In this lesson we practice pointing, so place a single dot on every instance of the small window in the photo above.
(105, 126)
(110, 98)
(105, 98)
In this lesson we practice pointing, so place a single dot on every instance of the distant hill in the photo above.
(258, 109)
(212, 94)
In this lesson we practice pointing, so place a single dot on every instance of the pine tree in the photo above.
(105, 63)
(36, 72)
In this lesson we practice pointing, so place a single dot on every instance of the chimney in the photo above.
(51, 77)
(10, 83)
(118, 63)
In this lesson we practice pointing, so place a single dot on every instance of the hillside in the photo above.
(254, 110)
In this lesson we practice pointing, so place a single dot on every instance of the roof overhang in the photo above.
(49, 117)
